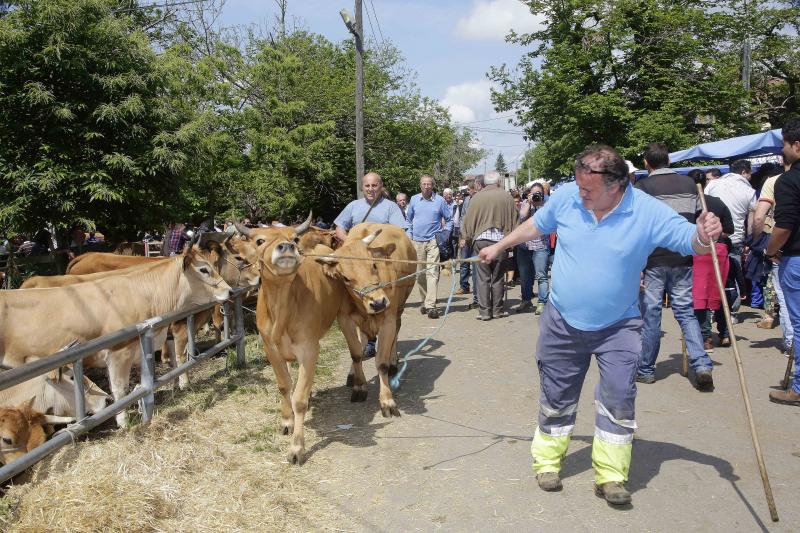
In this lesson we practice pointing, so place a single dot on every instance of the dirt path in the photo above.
(459, 458)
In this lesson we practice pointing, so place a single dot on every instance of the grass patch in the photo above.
(212, 459)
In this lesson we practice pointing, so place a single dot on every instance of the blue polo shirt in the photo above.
(423, 218)
(597, 267)
(384, 212)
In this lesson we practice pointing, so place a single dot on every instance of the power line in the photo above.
(494, 130)
(510, 115)
(378, 22)
(371, 29)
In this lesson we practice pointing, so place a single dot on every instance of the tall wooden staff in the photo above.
(773, 511)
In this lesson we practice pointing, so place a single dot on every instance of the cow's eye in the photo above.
(259, 242)
(6, 440)
(204, 270)
(239, 258)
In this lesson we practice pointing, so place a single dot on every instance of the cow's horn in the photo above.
(302, 228)
(371, 237)
(52, 419)
(241, 228)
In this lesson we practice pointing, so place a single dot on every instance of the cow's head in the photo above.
(60, 394)
(360, 275)
(315, 236)
(200, 282)
(23, 429)
(235, 258)
(277, 248)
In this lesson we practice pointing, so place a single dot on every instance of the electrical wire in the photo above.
(378, 22)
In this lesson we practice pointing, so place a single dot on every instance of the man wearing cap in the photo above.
(606, 229)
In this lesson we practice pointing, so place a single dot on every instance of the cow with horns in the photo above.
(298, 301)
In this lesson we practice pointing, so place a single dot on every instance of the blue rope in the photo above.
(395, 381)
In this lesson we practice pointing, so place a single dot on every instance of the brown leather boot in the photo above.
(786, 397)
(613, 492)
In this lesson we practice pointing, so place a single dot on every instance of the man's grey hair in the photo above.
(447, 190)
(491, 178)
(424, 176)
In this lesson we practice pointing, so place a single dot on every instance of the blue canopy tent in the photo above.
(767, 143)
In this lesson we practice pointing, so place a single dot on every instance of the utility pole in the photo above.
(746, 57)
(357, 29)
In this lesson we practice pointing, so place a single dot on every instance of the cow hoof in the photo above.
(390, 410)
(296, 457)
(350, 378)
(358, 395)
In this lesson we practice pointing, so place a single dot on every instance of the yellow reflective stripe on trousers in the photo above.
(548, 451)
(611, 462)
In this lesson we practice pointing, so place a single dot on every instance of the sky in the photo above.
(451, 44)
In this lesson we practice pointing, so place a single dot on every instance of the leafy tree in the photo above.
(85, 133)
(628, 73)
(500, 164)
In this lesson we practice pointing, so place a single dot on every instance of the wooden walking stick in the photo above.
(685, 363)
(787, 377)
(773, 511)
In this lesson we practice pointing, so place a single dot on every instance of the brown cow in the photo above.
(89, 310)
(356, 314)
(54, 393)
(103, 262)
(233, 257)
(22, 429)
(297, 303)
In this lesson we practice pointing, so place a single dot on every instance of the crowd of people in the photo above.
(627, 249)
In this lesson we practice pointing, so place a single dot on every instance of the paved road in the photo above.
(459, 460)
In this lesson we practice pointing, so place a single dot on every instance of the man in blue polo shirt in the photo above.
(606, 230)
(427, 215)
(374, 207)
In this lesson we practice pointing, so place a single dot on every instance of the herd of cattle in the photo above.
(298, 299)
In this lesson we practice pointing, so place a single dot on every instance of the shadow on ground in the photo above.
(648, 456)
(332, 407)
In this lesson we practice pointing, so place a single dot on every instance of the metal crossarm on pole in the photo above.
(773, 511)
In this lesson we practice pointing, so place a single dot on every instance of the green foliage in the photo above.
(85, 134)
(631, 72)
(123, 120)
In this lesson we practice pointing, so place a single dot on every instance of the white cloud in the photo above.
(493, 19)
(469, 101)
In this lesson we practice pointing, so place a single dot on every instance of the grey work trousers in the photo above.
(489, 281)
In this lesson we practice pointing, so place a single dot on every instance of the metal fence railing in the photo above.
(144, 392)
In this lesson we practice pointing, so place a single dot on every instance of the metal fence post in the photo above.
(240, 359)
(189, 337)
(147, 403)
(226, 320)
(80, 398)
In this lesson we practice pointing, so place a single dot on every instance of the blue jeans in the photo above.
(466, 253)
(789, 276)
(533, 266)
(677, 281)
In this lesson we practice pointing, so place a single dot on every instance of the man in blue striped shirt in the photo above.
(427, 215)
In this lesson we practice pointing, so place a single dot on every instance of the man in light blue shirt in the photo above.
(374, 207)
(606, 230)
(426, 216)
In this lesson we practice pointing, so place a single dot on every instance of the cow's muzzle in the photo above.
(285, 256)
(379, 305)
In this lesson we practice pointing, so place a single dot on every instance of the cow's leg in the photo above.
(119, 376)
(387, 336)
(181, 335)
(354, 343)
(307, 359)
(284, 380)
